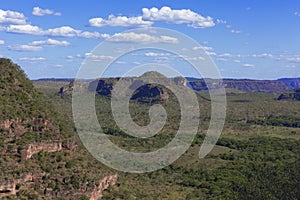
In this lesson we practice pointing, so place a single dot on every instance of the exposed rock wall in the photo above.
(17, 127)
(10, 188)
(290, 96)
(103, 185)
(32, 149)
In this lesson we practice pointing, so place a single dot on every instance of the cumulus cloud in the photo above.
(24, 48)
(38, 45)
(11, 17)
(120, 21)
(248, 65)
(2, 42)
(24, 29)
(183, 16)
(208, 50)
(32, 59)
(49, 42)
(133, 37)
(41, 12)
(63, 31)
(87, 34)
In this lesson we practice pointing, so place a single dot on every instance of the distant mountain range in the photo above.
(244, 85)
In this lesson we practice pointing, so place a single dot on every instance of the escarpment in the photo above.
(40, 154)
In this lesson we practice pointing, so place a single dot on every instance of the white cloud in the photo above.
(67, 31)
(24, 48)
(196, 58)
(49, 42)
(183, 16)
(98, 57)
(2, 42)
(227, 55)
(248, 65)
(235, 31)
(70, 57)
(211, 53)
(264, 55)
(120, 21)
(24, 29)
(121, 62)
(133, 37)
(153, 54)
(136, 63)
(64, 31)
(208, 50)
(289, 58)
(38, 45)
(87, 34)
(237, 61)
(32, 59)
(220, 21)
(222, 59)
(11, 17)
(41, 12)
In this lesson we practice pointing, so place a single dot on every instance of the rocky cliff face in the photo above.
(103, 185)
(146, 93)
(29, 125)
(264, 86)
(290, 96)
(17, 127)
(12, 187)
(292, 83)
(104, 86)
(151, 94)
(32, 149)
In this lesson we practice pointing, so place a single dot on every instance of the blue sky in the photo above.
(256, 39)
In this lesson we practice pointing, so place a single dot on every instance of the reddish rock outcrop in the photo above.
(10, 188)
(17, 127)
(103, 185)
(32, 149)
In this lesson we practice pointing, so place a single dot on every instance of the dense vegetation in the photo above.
(257, 156)
(288, 121)
(18, 97)
(252, 160)
(34, 120)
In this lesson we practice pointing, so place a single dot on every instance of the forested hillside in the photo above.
(41, 156)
